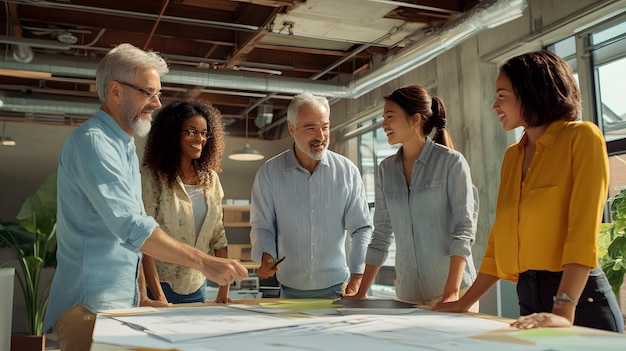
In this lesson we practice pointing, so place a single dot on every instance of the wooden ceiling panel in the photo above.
(220, 35)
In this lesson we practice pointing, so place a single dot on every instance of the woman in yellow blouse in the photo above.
(553, 188)
(182, 191)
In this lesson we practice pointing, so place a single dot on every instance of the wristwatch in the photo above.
(564, 297)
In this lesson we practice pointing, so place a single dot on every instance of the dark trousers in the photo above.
(597, 306)
(199, 295)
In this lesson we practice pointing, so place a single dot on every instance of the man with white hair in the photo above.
(102, 227)
(303, 202)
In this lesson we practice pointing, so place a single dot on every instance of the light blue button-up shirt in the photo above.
(101, 222)
(431, 220)
(305, 217)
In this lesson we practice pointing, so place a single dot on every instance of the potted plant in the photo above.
(612, 243)
(32, 238)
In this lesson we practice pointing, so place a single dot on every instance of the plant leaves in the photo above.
(33, 262)
(617, 249)
(39, 211)
(33, 240)
(604, 240)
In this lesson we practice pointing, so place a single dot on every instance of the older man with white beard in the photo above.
(102, 227)
(304, 200)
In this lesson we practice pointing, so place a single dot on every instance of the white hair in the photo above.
(305, 99)
(123, 63)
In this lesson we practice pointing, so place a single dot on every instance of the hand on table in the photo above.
(222, 295)
(154, 303)
(543, 319)
(454, 306)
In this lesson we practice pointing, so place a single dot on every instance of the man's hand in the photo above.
(223, 271)
(542, 319)
(267, 268)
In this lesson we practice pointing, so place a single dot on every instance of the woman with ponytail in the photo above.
(426, 200)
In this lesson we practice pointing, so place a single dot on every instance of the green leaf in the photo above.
(33, 240)
(33, 262)
(38, 212)
(617, 249)
(605, 238)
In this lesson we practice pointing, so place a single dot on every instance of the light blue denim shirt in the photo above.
(431, 220)
(101, 222)
(310, 213)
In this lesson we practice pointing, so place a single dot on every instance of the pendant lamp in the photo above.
(4, 139)
(247, 153)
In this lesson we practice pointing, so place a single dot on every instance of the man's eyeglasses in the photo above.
(192, 133)
(147, 93)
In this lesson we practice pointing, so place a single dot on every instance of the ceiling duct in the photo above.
(487, 14)
(265, 114)
(60, 105)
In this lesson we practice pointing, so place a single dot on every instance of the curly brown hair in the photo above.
(162, 154)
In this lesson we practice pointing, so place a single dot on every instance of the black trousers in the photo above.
(597, 306)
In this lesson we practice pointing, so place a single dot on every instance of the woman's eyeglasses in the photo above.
(192, 133)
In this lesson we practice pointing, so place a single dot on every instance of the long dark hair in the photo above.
(416, 99)
(163, 153)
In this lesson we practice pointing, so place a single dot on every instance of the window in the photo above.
(611, 97)
(603, 62)
(373, 148)
(606, 46)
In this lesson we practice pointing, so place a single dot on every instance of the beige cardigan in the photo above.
(172, 209)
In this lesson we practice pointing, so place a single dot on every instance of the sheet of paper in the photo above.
(185, 324)
(304, 342)
(568, 339)
(132, 310)
(380, 311)
(304, 339)
(299, 305)
(426, 328)
(258, 308)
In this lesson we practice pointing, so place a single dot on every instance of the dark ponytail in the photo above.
(439, 122)
(416, 99)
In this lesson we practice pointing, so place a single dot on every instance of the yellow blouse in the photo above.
(552, 218)
(172, 209)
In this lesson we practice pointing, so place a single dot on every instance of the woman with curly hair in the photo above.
(182, 191)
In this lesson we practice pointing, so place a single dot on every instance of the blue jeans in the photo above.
(199, 295)
(597, 306)
(332, 292)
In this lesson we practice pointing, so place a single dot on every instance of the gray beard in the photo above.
(139, 127)
(316, 156)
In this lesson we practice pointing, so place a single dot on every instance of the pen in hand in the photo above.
(277, 262)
